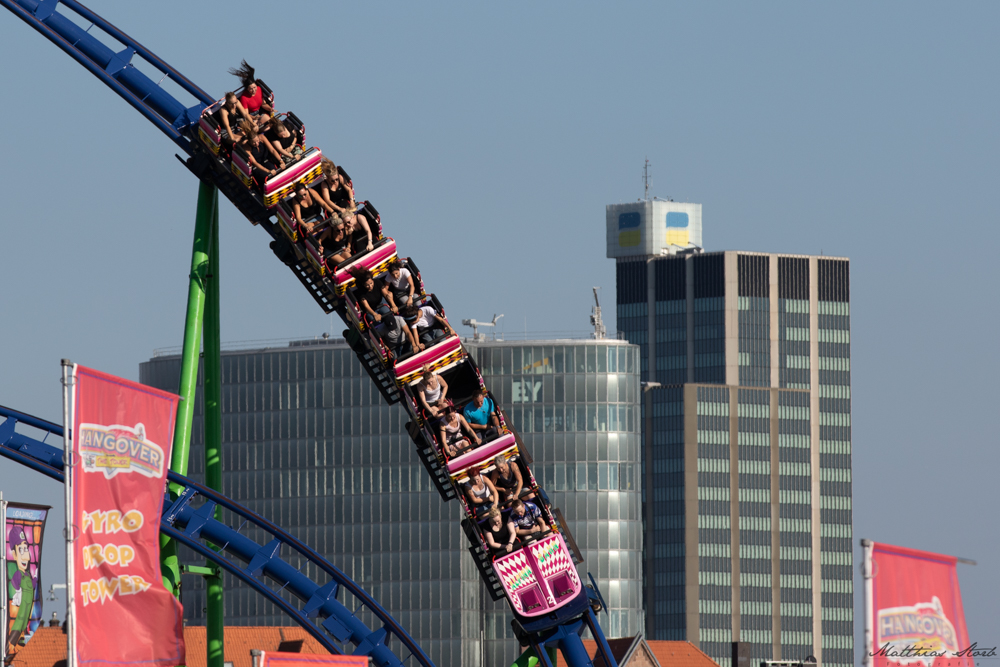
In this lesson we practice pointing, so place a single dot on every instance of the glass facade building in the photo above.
(309, 443)
(576, 405)
(747, 443)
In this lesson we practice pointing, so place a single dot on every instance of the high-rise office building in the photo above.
(309, 443)
(745, 358)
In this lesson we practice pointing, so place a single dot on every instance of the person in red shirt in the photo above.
(252, 98)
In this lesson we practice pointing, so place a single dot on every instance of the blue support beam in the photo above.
(115, 69)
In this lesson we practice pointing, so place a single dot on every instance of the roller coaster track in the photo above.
(188, 517)
(189, 520)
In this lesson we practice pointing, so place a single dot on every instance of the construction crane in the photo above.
(600, 331)
(475, 327)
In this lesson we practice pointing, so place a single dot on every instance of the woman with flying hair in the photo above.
(252, 98)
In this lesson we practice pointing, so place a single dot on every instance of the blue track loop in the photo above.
(188, 519)
(115, 68)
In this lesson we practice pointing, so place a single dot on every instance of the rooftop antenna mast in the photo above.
(478, 337)
(600, 331)
(645, 178)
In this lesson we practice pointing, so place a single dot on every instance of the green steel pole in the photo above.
(207, 211)
(213, 438)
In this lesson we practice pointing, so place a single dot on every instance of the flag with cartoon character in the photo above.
(24, 526)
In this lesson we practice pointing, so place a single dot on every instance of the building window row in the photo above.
(756, 467)
(835, 308)
(714, 465)
(837, 586)
(714, 521)
(795, 525)
(796, 581)
(796, 553)
(838, 641)
(834, 502)
(788, 497)
(581, 418)
(712, 408)
(842, 336)
(834, 364)
(716, 493)
(761, 637)
(712, 437)
(668, 409)
(797, 638)
(548, 359)
(760, 552)
(755, 496)
(798, 441)
(632, 309)
(794, 361)
(798, 609)
(794, 468)
(797, 334)
(835, 474)
(800, 306)
(589, 476)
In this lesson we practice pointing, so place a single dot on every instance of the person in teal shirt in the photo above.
(479, 413)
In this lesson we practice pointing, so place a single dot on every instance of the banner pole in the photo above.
(69, 462)
(3, 583)
(866, 573)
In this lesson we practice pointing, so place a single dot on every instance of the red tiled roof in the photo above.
(667, 653)
(679, 654)
(47, 647)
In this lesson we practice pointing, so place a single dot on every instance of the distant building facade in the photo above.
(747, 432)
(310, 444)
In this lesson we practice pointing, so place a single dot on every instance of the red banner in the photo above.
(917, 616)
(122, 436)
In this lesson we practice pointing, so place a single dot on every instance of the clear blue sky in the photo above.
(491, 136)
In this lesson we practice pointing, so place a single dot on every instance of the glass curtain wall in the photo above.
(309, 443)
(835, 461)
(576, 406)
